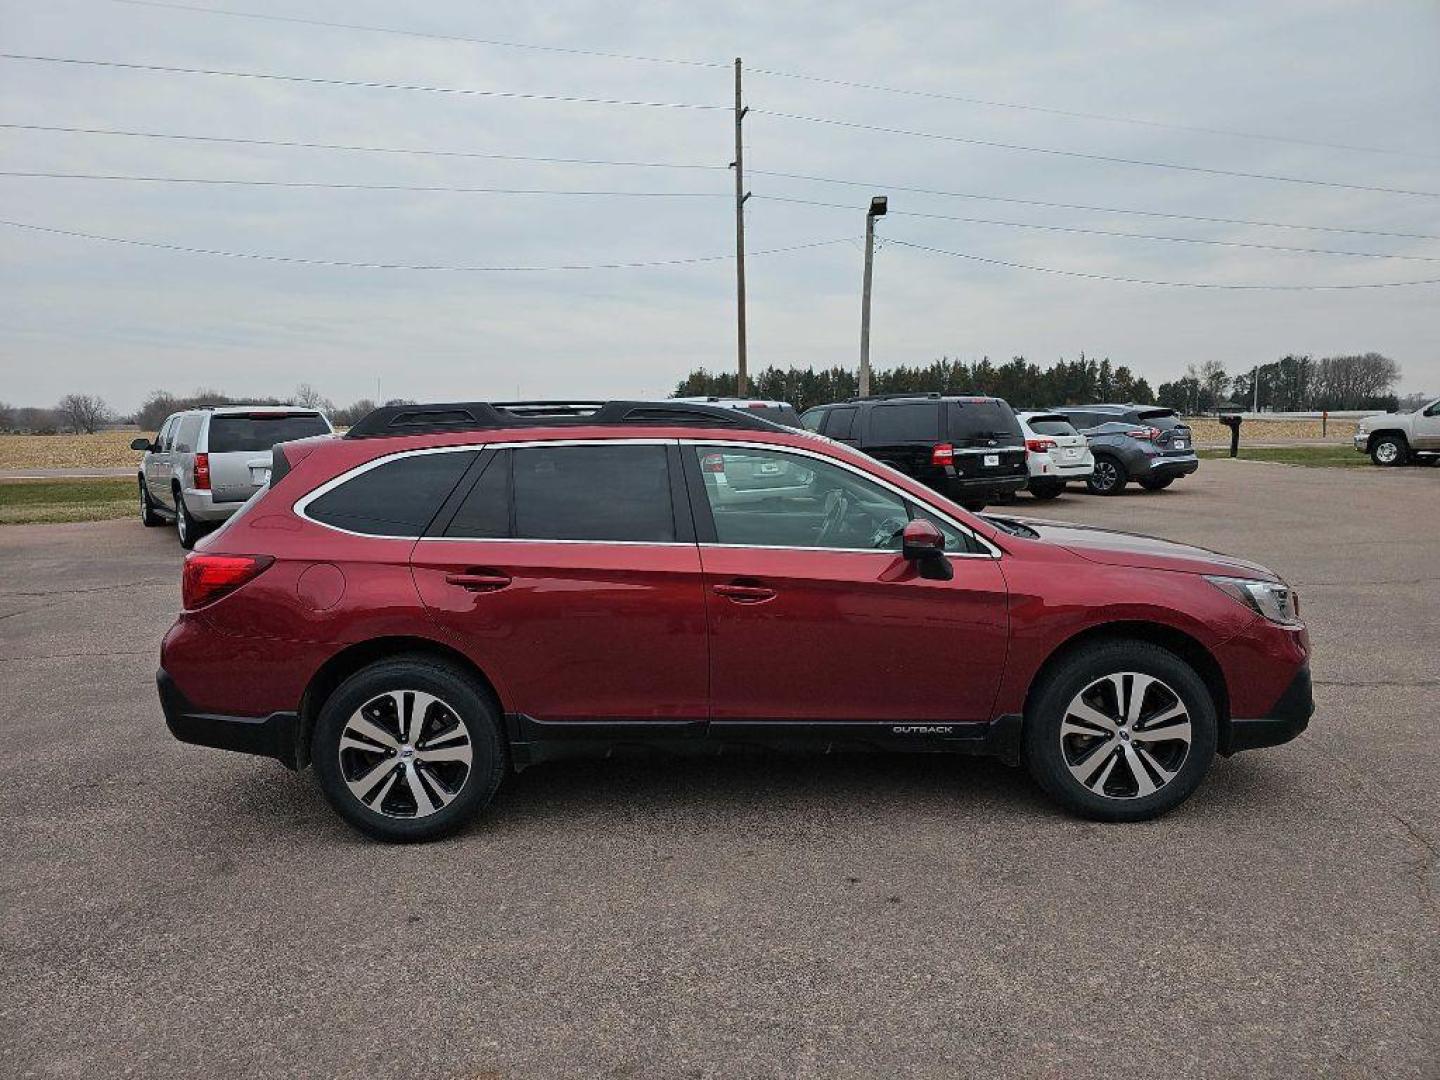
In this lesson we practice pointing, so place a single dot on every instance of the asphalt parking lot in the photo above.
(174, 911)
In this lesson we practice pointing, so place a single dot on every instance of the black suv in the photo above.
(970, 449)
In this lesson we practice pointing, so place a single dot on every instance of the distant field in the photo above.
(103, 450)
(1322, 456)
(26, 502)
(1259, 431)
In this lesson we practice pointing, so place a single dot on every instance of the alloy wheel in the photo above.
(405, 754)
(1125, 736)
(1386, 453)
(1105, 475)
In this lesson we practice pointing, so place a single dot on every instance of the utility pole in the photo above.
(743, 374)
(878, 205)
(1255, 380)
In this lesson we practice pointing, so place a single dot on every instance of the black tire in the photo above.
(1045, 492)
(1045, 754)
(187, 529)
(1109, 477)
(1157, 483)
(1390, 450)
(973, 505)
(148, 517)
(461, 698)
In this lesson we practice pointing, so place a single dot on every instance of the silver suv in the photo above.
(204, 463)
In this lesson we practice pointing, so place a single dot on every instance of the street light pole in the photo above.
(878, 206)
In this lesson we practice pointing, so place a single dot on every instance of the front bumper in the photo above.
(1288, 717)
(269, 736)
(1362, 441)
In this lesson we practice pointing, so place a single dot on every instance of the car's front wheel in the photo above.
(409, 749)
(1389, 450)
(1121, 731)
(1109, 477)
(148, 516)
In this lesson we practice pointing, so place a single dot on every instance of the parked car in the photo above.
(969, 449)
(449, 592)
(1055, 453)
(1400, 438)
(779, 412)
(203, 464)
(1151, 446)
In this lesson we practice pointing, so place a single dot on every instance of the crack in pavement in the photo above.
(75, 656)
(1362, 683)
(88, 589)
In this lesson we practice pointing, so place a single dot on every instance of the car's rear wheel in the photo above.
(148, 516)
(1044, 491)
(1157, 483)
(409, 749)
(973, 505)
(186, 527)
(1122, 731)
(1109, 477)
(1389, 450)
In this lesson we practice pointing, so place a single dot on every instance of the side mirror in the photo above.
(924, 544)
(143, 445)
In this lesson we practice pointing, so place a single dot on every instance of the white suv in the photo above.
(1054, 453)
(203, 464)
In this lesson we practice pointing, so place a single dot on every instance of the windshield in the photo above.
(261, 431)
(1050, 425)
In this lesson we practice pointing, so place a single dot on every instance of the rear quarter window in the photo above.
(842, 423)
(248, 434)
(396, 498)
(915, 422)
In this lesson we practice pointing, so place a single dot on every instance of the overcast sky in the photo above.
(121, 321)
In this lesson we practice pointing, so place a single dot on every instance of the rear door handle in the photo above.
(479, 580)
(746, 594)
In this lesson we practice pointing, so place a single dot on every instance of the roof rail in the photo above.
(392, 420)
(921, 395)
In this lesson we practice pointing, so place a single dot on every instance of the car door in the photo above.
(815, 616)
(1427, 428)
(157, 463)
(567, 572)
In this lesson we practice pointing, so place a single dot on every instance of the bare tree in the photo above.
(307, 396)
(7, 416)
(83, 412)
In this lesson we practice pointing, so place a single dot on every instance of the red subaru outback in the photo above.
(449, 592)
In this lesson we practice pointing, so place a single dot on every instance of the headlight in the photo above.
(1269, 599)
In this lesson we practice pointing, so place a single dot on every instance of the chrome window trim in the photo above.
(990, 552)
(300, 505)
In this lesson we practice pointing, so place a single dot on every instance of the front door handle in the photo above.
(745, 594)
(479, 580)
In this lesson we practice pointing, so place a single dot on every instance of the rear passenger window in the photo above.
(593, 493)
(397, 498)
(904, 423)
(485, 513)
(188, 434)
(842, 423)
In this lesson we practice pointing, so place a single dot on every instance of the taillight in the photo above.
(943, 454)
(1040, 446)
(713, 463)
(1149, 434)
(202, 472)
(208, 577)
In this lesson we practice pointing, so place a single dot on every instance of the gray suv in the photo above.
(1134, 442)
(203, 464)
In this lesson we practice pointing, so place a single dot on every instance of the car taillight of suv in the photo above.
(453, 592)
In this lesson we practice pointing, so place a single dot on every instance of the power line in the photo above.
(232, 13)
(260, 257)
(1148, 281)
(1111, 233)
(1082, 155)
(364, 187)
(1088, 207)
(807, 177)
(772, 72)
(291, 144)
(513, 95)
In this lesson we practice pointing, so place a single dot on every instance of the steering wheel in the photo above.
(837, 507)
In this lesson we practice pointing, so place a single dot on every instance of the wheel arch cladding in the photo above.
(1395, 433)
(1172, 640)
(361, 655)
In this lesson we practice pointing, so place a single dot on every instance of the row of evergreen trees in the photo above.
(1020, 382)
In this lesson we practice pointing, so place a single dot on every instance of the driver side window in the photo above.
(769, 498)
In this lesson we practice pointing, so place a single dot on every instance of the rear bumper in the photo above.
(1159, 466)
(203, 505)
(268, 736)
(1288, 717)
(970, 487)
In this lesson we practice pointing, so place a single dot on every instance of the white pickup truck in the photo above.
(1400, 438)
